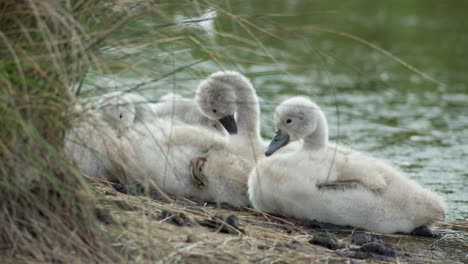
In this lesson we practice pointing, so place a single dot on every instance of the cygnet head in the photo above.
(216, 99)
(295, 119)
(117, 109)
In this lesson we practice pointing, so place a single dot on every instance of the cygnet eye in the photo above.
(288, 121)
(121, 115)
(214, 110)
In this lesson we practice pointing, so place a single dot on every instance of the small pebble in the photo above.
(380, 248)
(371, 246)
(424, 231)
(179, 219)
(362, 238)
(233, 221)
(326, 239)
(366, 255)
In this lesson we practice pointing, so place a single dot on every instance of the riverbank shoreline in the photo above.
(146, 229)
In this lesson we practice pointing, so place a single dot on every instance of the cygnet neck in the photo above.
(248, 108)
(318, 139)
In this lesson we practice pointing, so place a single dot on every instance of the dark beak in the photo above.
(229, 123)
(280, 140)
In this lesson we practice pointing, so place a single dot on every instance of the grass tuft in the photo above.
(45, 206)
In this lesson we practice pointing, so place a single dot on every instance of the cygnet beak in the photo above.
(280, 140)
(229, 123)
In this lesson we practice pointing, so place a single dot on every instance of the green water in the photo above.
(373, 103)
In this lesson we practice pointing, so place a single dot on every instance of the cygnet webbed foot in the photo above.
(196, 171)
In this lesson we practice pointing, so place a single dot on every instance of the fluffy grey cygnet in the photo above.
(291, 183)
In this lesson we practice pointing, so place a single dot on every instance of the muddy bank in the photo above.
(185, 231)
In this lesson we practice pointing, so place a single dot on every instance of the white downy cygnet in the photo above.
(161, 151)
(222, 164)
(290, 182)
(124, 134)
(126, 107)
(156, 147)
(219, 97)
(92, 143)
(146, 152)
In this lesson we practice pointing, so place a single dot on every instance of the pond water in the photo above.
(415, 117)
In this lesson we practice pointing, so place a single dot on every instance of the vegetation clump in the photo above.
(44, 204)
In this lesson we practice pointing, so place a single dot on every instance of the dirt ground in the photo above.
(182, 231)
